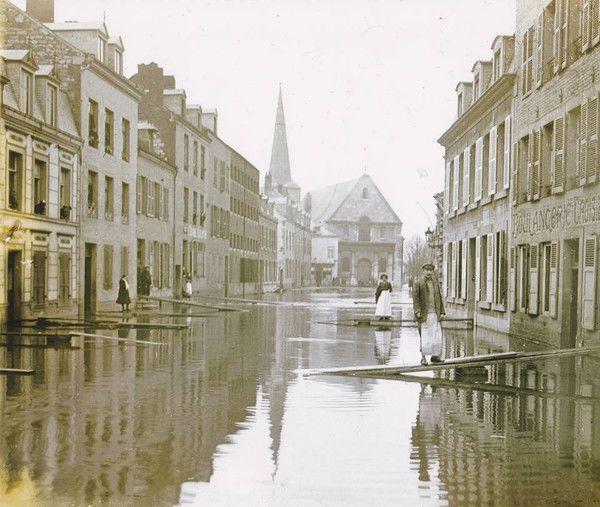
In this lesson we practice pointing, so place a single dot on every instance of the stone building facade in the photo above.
(369, 231)
(267, 263)
(39, 184)
(88, 65)
(556, 213)
(477, 206)
(155, 209)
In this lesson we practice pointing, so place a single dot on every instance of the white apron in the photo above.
(431, 336)
(384, 304)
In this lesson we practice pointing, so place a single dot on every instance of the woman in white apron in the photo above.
(383, 298)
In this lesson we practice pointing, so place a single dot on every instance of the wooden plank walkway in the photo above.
(459, 362)
(15, 371)
(130, 341)
(195, 303)
(370, 320)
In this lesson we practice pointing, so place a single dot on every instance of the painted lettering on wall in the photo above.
(575, 212)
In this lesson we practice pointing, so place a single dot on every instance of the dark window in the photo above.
(39, 277)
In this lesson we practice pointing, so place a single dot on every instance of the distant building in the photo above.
(39, 171)
(324, 253)
(293, 234)
(369, 231)
(268, 246)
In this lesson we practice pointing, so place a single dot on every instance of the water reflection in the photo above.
(220, 406)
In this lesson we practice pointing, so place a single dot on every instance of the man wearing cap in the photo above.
(429, 311)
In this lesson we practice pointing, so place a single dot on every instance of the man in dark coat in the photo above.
(429, 310)
(144, 282)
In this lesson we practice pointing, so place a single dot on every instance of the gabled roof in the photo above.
(18, 55)
(326, 200)
(47, 71)
(117, 41)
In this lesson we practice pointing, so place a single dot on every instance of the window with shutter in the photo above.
(64, 277)
(595, 21)
(492, 161)
(582, 162)
(592, 142)
(533, 280)
(445, 274)
(536, 166)
(38, 279)
(523, 277)
(489, 271)
(564, 33)
(447, 187)
(507, 146)
(478, 268)
(463, 272)
(529, 183)
(558, 157)
(539, 45)
(138, 194)
(513, 280)
(466, 175)
(589, 284)
(553, 284)
(584, 26)
(108, 267)
(456, 181)
(454, 269)
(478, 185)
(556, 45)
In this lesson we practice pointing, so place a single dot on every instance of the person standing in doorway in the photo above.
(145, 282)
(383, 298)
(123, 297)
(429, 312)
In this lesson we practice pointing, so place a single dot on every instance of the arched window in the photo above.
(365, 193)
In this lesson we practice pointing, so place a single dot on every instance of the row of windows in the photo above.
(268, 237)
(560, 155)
(186, 157)
(243, 209)
(193, 259)
(40, 184)
(152, 199)
(477, 268)
(157, 256)
(563, 32)
(244, 243)
(118, 56)
(482, 169)
(27, 97)
(197, 215)
(109, 131)
(219, 222)
(241, 177)
(108, 198)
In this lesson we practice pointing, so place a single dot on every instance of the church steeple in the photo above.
(280, 159)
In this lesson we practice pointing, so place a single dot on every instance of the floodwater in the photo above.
(220, 414)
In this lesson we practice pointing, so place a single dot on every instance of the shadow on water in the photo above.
(220, 409)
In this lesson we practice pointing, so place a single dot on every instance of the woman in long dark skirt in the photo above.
(123, 298)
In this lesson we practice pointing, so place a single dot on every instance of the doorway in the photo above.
(89, 289)
(13, 296)
(363, 272)
(570, 294)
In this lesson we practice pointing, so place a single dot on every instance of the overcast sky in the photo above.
(365, 83)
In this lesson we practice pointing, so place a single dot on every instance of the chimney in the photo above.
(42, 10)
(209, 119)
(268, 183)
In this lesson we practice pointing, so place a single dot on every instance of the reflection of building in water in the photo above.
(383, 345)
(502, 447)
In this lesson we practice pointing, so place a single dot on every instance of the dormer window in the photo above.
(51, 104)
(26, 92)
(101, 49)
(119, 62)
(497, 64)
(476, 87)
(460, 104)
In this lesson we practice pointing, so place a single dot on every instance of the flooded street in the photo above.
(220, 415)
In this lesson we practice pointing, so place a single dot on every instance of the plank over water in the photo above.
(15, 371)
(459, 362)
(195, 303)
(130, 341)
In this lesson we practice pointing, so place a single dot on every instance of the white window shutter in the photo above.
(556, 53)
(589, 284)
(513, 281)
(584, 27)
(454, 269)
(533, 280)
(558, 154)
(553, 278)
(478, 169)
(447, 188)
(138, 195)
(536, 180)
(467, 175)
(507, 145)
(582, 162)
(493, 148)
(529, 165)
(595, 22)
(490, 269)
(457, 176)
(592, 143)
(463, 277)
(478, 268)
(539, 63)
(445, 264)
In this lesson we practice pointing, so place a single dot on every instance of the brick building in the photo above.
(39, 172)
(477, 209)
(369, 231)
(556, 214)
(155, 209)
(88, 66)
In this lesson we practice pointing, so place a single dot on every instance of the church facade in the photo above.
(369, 232)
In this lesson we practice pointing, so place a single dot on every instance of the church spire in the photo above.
(280, 159)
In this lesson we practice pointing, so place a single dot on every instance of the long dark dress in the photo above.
(123, 297)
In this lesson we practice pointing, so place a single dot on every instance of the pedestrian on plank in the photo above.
(123, 297)
(383, 298)
(429, 311)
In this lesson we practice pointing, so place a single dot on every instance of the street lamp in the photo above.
(429, 237)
